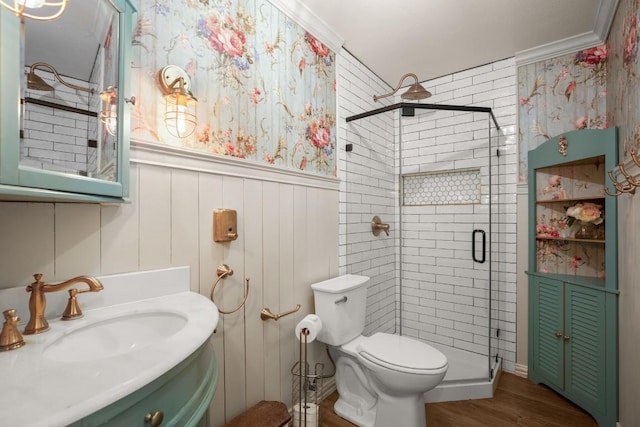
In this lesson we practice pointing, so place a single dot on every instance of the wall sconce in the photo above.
(180, 104)
(109, 115)
(48, 9)
(416, 90)
(35, 82)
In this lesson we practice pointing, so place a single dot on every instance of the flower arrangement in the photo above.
(588, 215)
(585, 212)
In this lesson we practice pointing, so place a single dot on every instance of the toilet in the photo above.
(381, 379)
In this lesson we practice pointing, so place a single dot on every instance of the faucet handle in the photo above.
(72, 311)
(10, 337)
(38, 280)
(377, 225)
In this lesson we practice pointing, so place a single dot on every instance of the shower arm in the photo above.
(377, 97)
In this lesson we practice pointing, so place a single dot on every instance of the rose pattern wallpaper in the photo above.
(623, 84)
(559, 95)
(265, 86)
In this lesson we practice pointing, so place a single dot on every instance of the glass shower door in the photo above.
(445, 203)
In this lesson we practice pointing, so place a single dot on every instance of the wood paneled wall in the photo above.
(288, 239)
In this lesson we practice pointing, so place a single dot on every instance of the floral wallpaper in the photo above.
(559, 95)
(624, 89)
(265, 86)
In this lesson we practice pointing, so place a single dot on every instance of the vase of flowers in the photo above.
(588, 217)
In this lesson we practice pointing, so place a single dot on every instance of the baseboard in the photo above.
(328, 387)
(521, 370)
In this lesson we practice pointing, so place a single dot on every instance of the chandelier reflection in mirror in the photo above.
(40, 10)
(180, 104)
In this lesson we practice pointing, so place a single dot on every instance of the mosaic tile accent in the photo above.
(454, 187)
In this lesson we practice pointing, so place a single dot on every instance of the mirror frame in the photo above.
(17, 181)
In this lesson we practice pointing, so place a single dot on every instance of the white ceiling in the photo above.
(432, 38)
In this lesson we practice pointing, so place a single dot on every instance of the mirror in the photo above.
(69, 91)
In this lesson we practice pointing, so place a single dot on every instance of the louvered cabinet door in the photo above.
(548, 331)
(585, 337)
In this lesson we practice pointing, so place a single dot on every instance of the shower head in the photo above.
(416, 90)
(36, 82)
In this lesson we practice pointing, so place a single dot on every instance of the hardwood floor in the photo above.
(517, 402)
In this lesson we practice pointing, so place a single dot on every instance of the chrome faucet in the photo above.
(37, 301)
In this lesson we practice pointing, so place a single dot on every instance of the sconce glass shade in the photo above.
(180, 104)
(416, 90)
(179, 116)
(109, 115)
(39, 10)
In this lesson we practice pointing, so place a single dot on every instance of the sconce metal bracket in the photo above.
(168, 76)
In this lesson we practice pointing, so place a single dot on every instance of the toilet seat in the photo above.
(402, 354)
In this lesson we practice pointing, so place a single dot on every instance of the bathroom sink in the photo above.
(135, 331)
(114, 336)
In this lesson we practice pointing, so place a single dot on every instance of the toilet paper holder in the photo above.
(266, 314)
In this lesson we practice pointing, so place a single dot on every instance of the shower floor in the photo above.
(466, 378)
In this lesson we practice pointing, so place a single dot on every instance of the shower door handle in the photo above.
(484, 246)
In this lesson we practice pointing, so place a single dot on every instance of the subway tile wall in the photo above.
(367, 188)
(444, 293)
(55, 139)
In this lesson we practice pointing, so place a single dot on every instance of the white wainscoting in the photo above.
(288, 239)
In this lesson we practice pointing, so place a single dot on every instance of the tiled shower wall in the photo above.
(47, 130)
(369, 176)
(445, 294)
(367, 188)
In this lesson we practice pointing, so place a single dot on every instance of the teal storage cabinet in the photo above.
(547, 296)
(573, 287)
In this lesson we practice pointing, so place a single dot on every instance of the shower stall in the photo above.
(432, 172)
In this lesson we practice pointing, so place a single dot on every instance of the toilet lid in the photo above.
(398, 352)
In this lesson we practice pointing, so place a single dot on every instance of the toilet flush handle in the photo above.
(343, 299)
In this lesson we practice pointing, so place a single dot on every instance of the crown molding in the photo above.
(602, 24)
(300, 13)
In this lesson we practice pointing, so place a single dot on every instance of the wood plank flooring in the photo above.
(517, 402)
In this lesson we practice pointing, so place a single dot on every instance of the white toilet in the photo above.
(381, 379)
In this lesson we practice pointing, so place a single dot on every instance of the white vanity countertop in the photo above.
(41, 391)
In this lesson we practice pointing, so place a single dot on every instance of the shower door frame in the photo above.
(408, 109)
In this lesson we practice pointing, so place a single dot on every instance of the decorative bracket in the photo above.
(562, 145)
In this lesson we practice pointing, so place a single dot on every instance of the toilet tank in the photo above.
(341, 303)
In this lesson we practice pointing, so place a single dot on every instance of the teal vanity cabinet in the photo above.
(57, 142)
(180, 397)
(573, 288)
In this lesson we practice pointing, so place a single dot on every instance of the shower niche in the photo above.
(572, 270)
